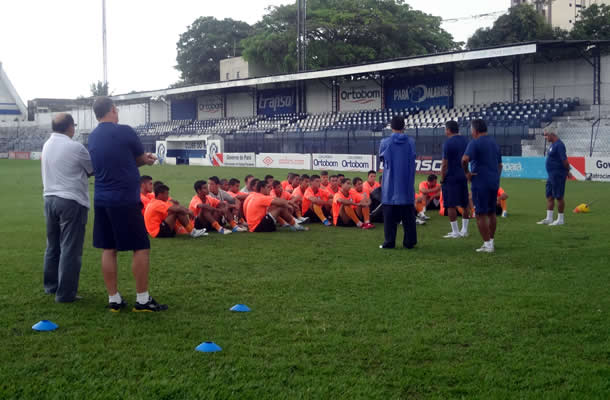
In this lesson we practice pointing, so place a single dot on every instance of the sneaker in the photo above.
(238, 228)
(485, 249)
(556, 222)
(504, 214)
(463, 234)
(286, 225)
(117, 307)
(327, 223)
(452, 235)
(195, 233)
(298, 227)
(419, 221)
(423, 216)
(545, 222)
(302, 220)
(371, 225)
(366, 226)
(225, 232)
(151, 306)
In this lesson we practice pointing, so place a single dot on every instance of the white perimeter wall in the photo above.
(569, 78)
(319, 98)
(239, 105)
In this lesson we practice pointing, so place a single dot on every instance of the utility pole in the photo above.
(104, 42)
(301, 35)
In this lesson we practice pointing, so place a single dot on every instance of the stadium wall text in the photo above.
(423, 92)
(276, 101)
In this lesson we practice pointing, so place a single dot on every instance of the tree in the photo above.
(204, 44)
(592, 24)
(344, 32)
(99, 89)
(522, 24)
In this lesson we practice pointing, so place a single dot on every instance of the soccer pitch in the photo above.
(332, 315)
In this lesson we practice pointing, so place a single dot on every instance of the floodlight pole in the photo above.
(104, 42)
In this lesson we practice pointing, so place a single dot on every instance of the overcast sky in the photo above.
(54, 48)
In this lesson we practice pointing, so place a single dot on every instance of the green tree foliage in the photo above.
(344, 32)
(99, 88)
(204, 44)
(521, 24)
(593, 23)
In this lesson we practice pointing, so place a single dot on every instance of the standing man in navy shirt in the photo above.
(397, 153)
(484, 155)
(453, 180)
(116, 153)
(558, 170)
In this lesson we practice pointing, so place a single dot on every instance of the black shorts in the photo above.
(120, 228)
(202, 224)
(455, 194)
(267, 224)
(313, 217)
(165, 231)
(340, 222)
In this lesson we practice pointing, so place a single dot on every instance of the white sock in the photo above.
(142, 298)
(560, 217)
(549, 215)
(465, 222)
(454, 227)
(115, 298)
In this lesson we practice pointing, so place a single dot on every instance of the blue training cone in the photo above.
(240, 308)
(45, 326)
(208, 347)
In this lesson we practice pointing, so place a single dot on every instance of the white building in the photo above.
(11, 107)
(560, 13)
(238, 68)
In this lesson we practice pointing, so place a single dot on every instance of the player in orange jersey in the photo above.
(161, 216)
(363, 201)
(146, 191)
(343, 212)
(209, 212)
(316, 204)
(501, 206)
(263, 211)
(371, 182)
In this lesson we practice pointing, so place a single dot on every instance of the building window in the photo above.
(227, 76)
(237, 74)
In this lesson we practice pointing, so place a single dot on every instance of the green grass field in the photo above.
(332, 315)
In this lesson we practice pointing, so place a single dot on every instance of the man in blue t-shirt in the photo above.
(558, 170)
(397, 153)
(483, 155)
(453, 180)
(116, 153)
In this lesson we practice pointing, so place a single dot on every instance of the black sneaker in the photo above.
(117, 307)
(151, 306)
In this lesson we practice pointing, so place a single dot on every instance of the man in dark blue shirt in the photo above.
(397, 153)
(116, 153)
(486, 161)
(558, 170)
(453, 180)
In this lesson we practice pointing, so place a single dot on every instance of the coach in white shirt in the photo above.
(66, 166)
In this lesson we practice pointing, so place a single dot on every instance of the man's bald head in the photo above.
(63, 123)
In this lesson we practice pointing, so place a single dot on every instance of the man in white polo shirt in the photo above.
(66, 166)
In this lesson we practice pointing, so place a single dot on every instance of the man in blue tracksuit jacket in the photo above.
(397, 153)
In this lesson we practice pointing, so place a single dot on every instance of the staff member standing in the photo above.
(66, 165)
(484, 154)
(397, 153)
(116, 153)
(558, 170)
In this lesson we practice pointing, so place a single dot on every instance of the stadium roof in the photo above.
(15, 105)
(388, 65)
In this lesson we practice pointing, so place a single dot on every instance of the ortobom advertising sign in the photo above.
(423, 93)
(210, 107)
(342, 162)
(359, 95)
(276, 101)
(280, 160)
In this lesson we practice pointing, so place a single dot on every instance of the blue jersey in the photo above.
(453, 150)
(485, 157)
(555, 158)
(397, 153)
(114, 149)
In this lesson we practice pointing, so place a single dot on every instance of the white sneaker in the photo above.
(485, 249)
(239, 229)
(302, 220)
(545, 222)
(556, 222)
(463, 234)
(225, 231)
(298, 227)
(198, 233)
(419, 221)
(423, 216)
(504, 214)
(452, 235)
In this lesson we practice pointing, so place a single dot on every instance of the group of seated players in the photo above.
(262, 205)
